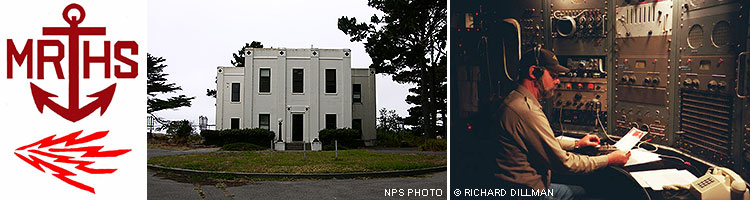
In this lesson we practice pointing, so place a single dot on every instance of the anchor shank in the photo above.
(73, 68)
(73, 32)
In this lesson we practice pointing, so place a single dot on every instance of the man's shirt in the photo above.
(528, 149)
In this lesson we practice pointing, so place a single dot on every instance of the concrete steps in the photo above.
(297, 146)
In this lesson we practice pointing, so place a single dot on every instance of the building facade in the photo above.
(298, 92)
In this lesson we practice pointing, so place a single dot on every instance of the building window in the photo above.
(330, 80)
(330, 121)
(235, 123)
(357, 93)
(265, 80)
(264, 121)
(235, 92)
(357, 124)
(298, 85)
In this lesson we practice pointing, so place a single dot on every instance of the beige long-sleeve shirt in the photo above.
(528, 148)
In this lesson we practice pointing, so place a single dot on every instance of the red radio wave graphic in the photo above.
(82, 165)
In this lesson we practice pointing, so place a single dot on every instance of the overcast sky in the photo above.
(197, 36)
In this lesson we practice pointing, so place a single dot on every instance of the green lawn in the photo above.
(287, 162)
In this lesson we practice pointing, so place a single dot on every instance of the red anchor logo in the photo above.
(103, 98)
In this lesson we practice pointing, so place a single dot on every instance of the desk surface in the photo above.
(617, 183)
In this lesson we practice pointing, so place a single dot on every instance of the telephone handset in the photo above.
(720, 183)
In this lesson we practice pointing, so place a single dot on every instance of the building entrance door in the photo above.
(297, 127)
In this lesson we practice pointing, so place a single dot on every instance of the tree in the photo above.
(157, 84)
(239, 61)
(388, 120)
(409, 42)
(180, 130)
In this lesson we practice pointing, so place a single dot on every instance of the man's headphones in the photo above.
(538, 72)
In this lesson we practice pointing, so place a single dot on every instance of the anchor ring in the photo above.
(74, 20)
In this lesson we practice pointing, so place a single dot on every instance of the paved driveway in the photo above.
(161, 188)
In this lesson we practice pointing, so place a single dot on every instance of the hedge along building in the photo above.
(298, 92)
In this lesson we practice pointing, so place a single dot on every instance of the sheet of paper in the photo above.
(642, 177)
(657, 179)
(641, 182)
(628, 141)
(686, 176)
(638, 156)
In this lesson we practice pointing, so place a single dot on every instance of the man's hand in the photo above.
(589, 140)
(618, 158)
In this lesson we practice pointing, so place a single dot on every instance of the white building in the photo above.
(300, 91)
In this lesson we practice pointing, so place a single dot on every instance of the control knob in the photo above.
(632, 79)
(645, 128)
(712, 85)
(687, 82)
(722, 85)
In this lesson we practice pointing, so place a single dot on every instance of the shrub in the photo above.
(180, 130)
(159, 138)
(257, 136)
(347, 138)
(398, 139)
(434, 145)
(242, 146)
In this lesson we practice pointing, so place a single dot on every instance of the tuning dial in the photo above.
(578, 97)
(722, 85)
(712, 85)
(687, 83)
(634, 125)
(645, 128)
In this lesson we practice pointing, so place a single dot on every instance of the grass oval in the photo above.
(293, 162)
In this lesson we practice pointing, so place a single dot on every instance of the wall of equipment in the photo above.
(675, 68)
(713, 35)
(642, 48)
(580, 32)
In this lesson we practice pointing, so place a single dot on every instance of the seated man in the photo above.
(528, 149)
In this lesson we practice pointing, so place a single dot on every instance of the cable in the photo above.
(505, 64)
(598, 109)
(558, 15)
(487, 61)
(562, 130)
(517, 27)
(656, 148)
(683, 162)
